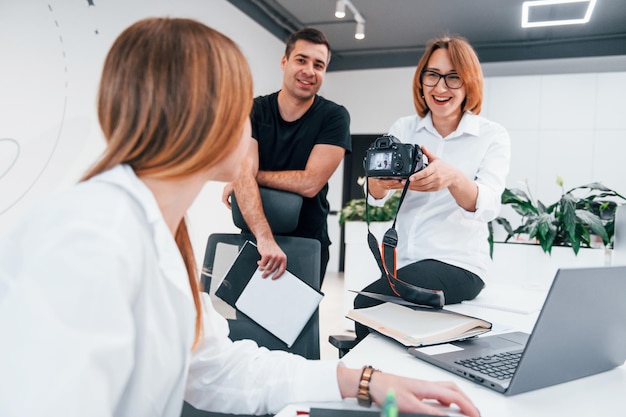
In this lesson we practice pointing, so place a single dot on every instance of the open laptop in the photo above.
(580, 331)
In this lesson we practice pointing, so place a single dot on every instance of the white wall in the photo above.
(52, 53)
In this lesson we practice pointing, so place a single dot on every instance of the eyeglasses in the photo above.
(431, 78)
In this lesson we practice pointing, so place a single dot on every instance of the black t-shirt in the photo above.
(287, 145)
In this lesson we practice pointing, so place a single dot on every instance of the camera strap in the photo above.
(387, 262)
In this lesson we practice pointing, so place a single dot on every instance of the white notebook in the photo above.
(282, 306)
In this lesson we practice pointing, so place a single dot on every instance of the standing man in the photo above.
(298, 140)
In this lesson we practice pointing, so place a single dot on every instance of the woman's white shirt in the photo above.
(432, 225)
(97, 318)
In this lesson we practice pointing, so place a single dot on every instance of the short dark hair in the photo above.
(309, 35)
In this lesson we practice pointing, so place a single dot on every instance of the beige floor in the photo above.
(332, 317)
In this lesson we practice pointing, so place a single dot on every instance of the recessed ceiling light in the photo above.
(556, 12)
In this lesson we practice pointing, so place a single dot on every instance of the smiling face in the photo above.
(304, 70)
(443, 102)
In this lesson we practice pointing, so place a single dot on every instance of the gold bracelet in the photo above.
(363, 396)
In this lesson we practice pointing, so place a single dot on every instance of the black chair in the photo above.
(303, 260)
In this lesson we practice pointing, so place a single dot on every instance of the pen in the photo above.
(302, 413)
(390, 407)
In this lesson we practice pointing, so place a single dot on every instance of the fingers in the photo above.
(448, 393)
(426, 397)
(273, 260)
(431, 157)
(280, 270)
(275, 269)
(228, 188)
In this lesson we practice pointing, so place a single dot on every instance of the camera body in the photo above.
(387, 157)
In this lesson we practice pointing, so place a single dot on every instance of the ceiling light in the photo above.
(360, 30)
(526, 23)
(340, 10)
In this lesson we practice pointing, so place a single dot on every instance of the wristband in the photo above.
(363, 396)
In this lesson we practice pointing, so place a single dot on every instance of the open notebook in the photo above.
(412, 325)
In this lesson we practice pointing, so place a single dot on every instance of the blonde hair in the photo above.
(465, 62)
(173, 98)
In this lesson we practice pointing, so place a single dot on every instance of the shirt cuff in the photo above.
(316, 381)
(487, 205)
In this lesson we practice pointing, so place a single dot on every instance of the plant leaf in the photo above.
(595, 223)
(519, 201)
(546, 231)
(568, 215)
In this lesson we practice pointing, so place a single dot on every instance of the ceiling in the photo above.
(396, 31)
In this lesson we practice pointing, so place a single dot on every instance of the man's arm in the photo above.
(320, 166)
(273, 259)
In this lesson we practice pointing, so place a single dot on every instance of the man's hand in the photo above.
(273, 259)
(228, 189)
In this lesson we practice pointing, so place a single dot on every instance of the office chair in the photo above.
(282, 210)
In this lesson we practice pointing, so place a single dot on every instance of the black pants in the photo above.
(456, 283)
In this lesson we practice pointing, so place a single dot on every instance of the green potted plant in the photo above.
(354, 210)
(571, 221)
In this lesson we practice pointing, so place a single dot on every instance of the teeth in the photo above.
(441, 99)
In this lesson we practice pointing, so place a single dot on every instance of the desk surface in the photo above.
(598, 395)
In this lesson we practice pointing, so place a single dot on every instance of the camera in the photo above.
(387, 157)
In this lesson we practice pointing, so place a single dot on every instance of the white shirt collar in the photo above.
(469, 124)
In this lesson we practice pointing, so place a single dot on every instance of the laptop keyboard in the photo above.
(500, 366)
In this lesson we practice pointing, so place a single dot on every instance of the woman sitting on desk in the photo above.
(100, 307)
(442, 222)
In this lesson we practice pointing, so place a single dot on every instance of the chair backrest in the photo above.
(281, 208)
(303, 260)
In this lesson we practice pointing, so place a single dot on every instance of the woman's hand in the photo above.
(436, 176)
(439, 175)
(412, 395)
(378, 188)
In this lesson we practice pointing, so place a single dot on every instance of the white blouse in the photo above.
(431, 225)
(97, 318)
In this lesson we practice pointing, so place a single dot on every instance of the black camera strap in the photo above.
(387, 262)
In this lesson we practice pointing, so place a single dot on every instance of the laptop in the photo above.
(580, 332)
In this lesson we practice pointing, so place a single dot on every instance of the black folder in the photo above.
(282, 306)
(239, 274)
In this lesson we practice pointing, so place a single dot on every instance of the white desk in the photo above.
(598, 395)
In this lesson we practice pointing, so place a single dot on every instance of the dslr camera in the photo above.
(389, 158)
